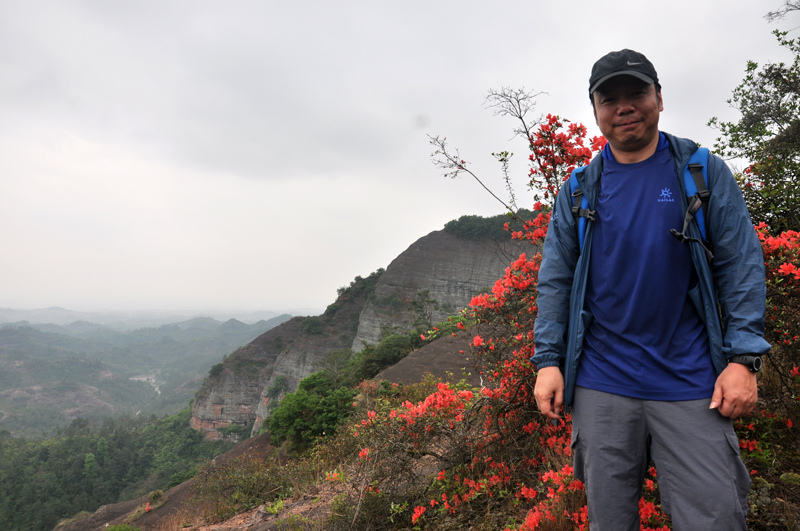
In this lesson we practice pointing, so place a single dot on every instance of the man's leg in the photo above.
(609, 442)
(702, 479)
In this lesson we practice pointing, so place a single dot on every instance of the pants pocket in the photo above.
(579, 461)
(739, 475)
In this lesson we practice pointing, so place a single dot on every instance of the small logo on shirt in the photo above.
(666, 196)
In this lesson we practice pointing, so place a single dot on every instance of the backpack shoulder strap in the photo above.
(580, 205)
(695, 178)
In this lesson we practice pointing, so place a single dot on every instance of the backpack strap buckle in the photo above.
(577, 211)
(695, 203)
(703, 193)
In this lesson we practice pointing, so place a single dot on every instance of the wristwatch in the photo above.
(754, 363)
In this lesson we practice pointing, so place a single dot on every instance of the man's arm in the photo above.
(560, 255)
(738, 271)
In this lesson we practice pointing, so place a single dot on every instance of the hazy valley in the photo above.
(51, 374)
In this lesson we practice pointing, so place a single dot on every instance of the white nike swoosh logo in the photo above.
(633, 64)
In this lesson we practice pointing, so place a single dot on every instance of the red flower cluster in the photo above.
(555, 153)
(418, 512)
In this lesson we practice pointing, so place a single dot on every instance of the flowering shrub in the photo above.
(555, 153)
(485, 458)
(782, 326)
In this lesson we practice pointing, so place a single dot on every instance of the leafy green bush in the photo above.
(238, 430)
(304, 416)
(216, 370)
(279, 385)
(313, 325)
(374, 358)
(361, 286)
(481, 228)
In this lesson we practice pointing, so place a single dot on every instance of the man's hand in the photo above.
(549, 392)
(735, 392)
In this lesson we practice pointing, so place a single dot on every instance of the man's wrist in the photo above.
(753, 363)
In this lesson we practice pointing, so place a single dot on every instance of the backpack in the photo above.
(695, 178)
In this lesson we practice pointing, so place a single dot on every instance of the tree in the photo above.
(554, 151)
(767, 136)
(336, 367)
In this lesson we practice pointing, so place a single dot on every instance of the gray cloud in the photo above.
(261, 154)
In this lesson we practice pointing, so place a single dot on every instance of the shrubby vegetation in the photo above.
(313, 326)
(482, 228)
(361, 286)
(324, 400)
(85, 466)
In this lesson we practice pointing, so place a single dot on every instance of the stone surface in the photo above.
(453, 270)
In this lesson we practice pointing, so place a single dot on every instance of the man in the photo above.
(654, 348)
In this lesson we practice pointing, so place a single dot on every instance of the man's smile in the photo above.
(630, 124)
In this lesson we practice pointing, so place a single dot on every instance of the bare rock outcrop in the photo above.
(237, 399)
(435, 277)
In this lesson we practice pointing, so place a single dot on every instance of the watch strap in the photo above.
(754, 363)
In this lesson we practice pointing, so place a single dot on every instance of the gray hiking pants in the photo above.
(701, 478)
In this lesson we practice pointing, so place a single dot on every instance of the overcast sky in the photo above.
(258, 155)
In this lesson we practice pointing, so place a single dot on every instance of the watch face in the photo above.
(756, 364)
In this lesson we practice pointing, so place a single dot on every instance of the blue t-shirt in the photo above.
(646, 339)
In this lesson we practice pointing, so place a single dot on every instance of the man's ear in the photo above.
(660, 102)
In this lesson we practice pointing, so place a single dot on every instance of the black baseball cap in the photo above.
(622, 63)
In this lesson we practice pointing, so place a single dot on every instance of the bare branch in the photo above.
(516, 103)
(778, 14)
(503, 157)
(453, 165)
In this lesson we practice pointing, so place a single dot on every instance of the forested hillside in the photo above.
(51, 374)
(83, 467)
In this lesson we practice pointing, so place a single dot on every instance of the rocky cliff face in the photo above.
(227, 400)
(235, 400)
(432, 279)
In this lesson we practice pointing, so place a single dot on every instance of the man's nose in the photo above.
(624, 106)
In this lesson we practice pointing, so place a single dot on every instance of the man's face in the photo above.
(627, 110)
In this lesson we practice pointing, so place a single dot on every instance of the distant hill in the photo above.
(125, 320)
(51, 374)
